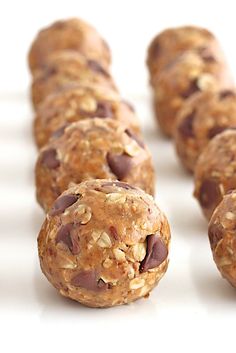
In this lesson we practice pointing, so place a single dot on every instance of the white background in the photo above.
(192, 309)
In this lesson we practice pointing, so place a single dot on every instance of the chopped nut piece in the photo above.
(104, 241)
(119, 254)
(136, 283)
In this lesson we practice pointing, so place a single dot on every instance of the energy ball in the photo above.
(92, 149)
(104, 243)
(78, 103)
(201, 118)
(190, 73)
(168, 44)
(215, 171)
(73, 34)
(65, 68)
(222, 238)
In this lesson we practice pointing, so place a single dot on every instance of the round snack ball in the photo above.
(168, 44)
(188, 74)
(65, 68)
(104, 243)
(92, 149)
(215, 171)
(202, 117)
(72, 34)
(222, 238)
(78, 103)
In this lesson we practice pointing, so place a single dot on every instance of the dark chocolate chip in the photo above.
(193, 88)
(120, 164)
(59, 132)
(186, 126)
(209, 193)
(62, 203)
(215, 234)
(215, 130)
(67, 234)
(156, 253)
(129, 105)
(49, 159)
(103, 110)
(134, 137)
(95, 66)
(89, 280)
(119, 184)
(113, 232)
(226, 93)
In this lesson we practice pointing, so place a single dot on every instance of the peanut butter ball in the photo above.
(68, 67)
(215, 171)
(72, 34)
(77, 103)
(92, 149)
(190, 73)
(202, 117)
(170, 43)
(104, 243)
(222, 238)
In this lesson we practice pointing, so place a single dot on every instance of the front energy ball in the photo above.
(222, 238)
(92, 149)
(104, 243)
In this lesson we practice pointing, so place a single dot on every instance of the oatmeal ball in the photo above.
(65, 68)
(104, 243)
(72, 34)
(92, 149)
(202, 117)
(215, 171)
(190, 73)
(222, 238)
(168, 44)
(78, 103)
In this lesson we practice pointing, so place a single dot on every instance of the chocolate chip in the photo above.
(215, 234)
(113, 232)
(209, 194)
(62, 203)
(134, 137)
(103, 110)
(129, 105)
(49, 159)
(186, 126)
(89, 280)
(156, 253)
(120, 164)
(193, 88)
(119, 184)
(226, 93)
(69, 238)
(215, 130)
(95, 66)
(59, 132)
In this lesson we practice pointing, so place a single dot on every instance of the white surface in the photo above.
(192, 309)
